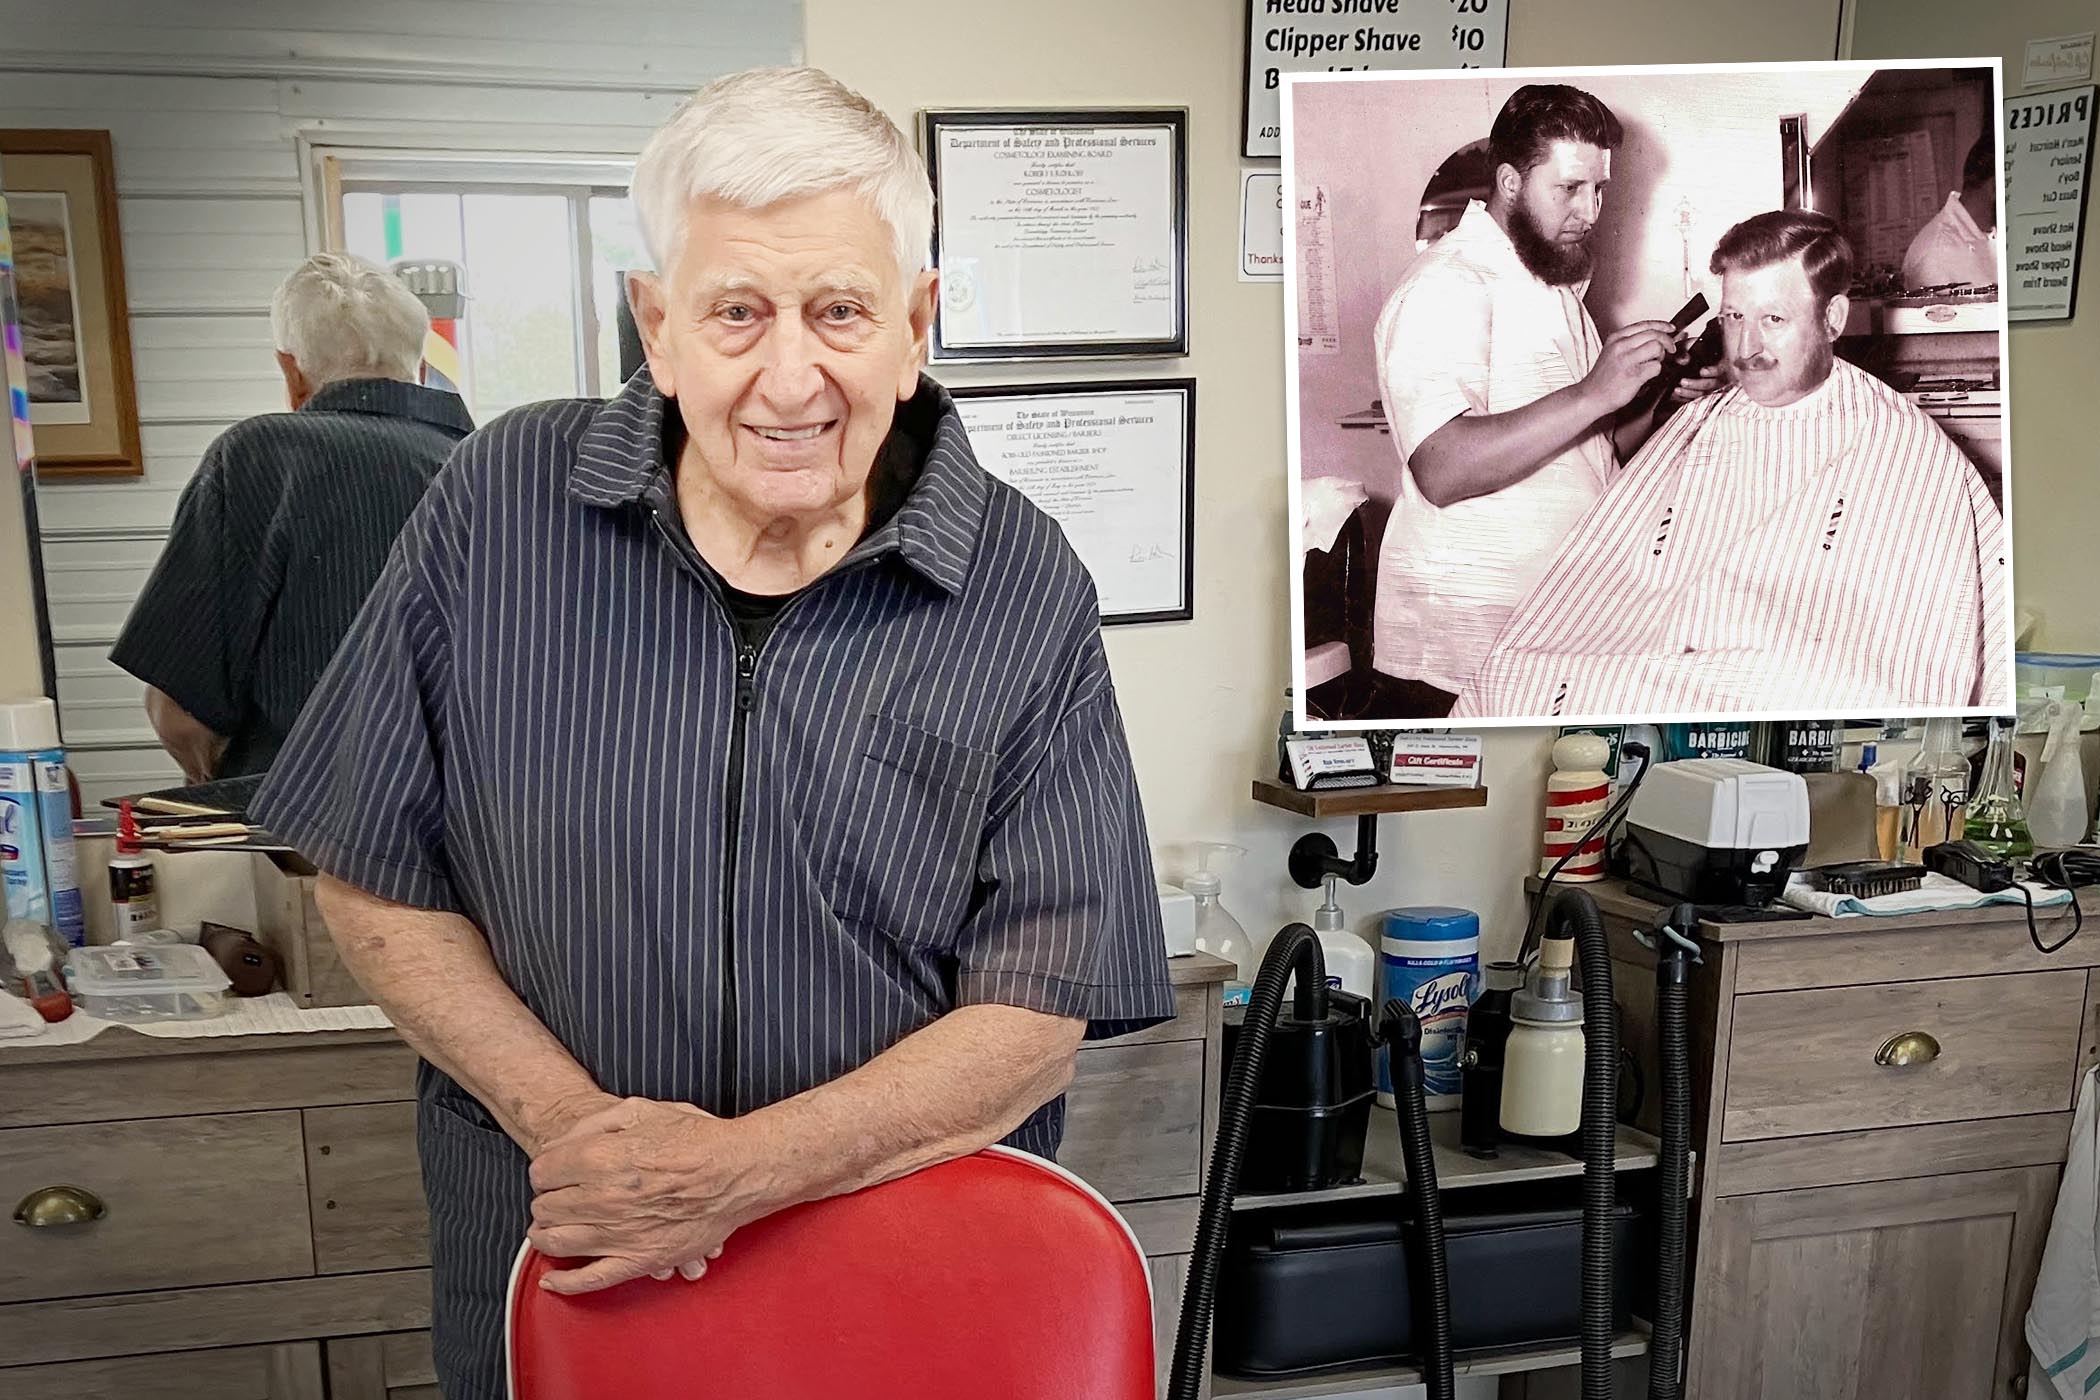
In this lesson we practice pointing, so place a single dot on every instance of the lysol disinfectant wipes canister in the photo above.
(37, 865)
(1429, 958)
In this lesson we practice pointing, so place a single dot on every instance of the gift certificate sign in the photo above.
(1059, 236)
(1114, 465)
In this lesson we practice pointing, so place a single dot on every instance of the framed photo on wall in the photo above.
(1059, 235)
(1112, 462)
(61, 191)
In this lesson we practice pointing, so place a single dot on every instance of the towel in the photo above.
(1326, 502)
(274, 1014)
(1936, 893)
(2063, 1321)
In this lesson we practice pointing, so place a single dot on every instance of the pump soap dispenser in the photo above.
(1351, 965)
(1217, 932)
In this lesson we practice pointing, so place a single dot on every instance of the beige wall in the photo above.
(2053, 364)
(1202, 698)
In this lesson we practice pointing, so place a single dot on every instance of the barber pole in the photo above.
(1577, 796)
(441, 287)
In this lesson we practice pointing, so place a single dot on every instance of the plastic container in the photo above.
(1307, 1288)
(2055, 675)
(1217, 932)
(179, 983)
(1430, 959)
(38, 862)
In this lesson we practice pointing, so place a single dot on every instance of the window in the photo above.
(541, 245)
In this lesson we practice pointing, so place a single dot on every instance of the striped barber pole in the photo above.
(1571, 815)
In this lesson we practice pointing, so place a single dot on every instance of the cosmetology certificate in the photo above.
(1112, 468)
(1057, 235)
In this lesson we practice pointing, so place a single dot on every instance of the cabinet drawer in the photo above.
(1134, 1120)
(1805, 1062)
(291, 1371)
(367, 1188)
(187, 1202)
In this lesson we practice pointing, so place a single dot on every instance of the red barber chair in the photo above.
(997, 1275)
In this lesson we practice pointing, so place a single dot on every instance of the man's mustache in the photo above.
(1756, 362)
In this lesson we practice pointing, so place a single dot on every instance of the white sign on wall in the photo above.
(2054, 62)
(2048, 142)
(1261, 226)
(1339, 36)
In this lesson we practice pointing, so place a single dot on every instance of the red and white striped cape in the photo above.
(1836, 555)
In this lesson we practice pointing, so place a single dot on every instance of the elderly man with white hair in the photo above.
(724, 790)
(288, 519)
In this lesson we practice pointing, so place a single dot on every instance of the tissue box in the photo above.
(289, 925)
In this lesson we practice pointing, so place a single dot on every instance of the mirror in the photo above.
(1468, 173)
(1887, 165)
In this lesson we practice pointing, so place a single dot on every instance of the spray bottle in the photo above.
(2056, 814)
(1217, 932)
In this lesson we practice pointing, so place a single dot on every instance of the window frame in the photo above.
(334, 171)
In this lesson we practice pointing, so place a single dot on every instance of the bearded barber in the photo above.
(1510, 412)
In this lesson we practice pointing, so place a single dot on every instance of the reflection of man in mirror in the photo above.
(1958, 246)
(1807, 540)
(288, 521)
(1504, 401)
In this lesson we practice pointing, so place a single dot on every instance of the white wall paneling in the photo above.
(215, 108)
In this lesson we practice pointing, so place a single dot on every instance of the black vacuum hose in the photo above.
(1401, 1030)
(1297, 948)
(1672, 972)
(1575, 912)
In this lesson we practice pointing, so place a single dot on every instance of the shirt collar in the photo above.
(392, 398)
(620, 458)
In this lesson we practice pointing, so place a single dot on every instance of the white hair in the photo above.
(341, 317)
(769, 134)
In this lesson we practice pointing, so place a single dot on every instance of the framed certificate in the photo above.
(1115, 465)
(1059, 235)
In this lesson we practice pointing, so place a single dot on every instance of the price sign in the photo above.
(2047, 153)
(1340, 36)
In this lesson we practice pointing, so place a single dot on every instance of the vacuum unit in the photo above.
(1411, 1281)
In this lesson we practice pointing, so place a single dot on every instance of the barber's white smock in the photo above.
(1952, 248)
(1469, 329)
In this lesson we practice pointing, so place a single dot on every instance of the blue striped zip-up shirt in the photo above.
(723, 875)
(275, 544)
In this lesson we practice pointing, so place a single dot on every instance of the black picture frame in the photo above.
(934, 120)
(1184, 609)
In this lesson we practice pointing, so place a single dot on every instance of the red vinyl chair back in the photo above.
(996, 1275)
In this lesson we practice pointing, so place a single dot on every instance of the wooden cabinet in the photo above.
(264, 1235)
(291, 1371)
(1887, 1290)
(395, 1367)
(1881, 1109)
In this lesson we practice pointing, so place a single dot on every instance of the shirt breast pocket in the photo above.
(906, 861)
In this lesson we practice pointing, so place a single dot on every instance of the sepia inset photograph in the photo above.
(1647, 393)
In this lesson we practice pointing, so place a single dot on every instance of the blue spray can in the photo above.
(39, 869)
(1429, 958)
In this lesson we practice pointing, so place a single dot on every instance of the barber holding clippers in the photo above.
(1510, 412)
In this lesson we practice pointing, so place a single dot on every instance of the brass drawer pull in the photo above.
(59, 1205)
(1909, 1048)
